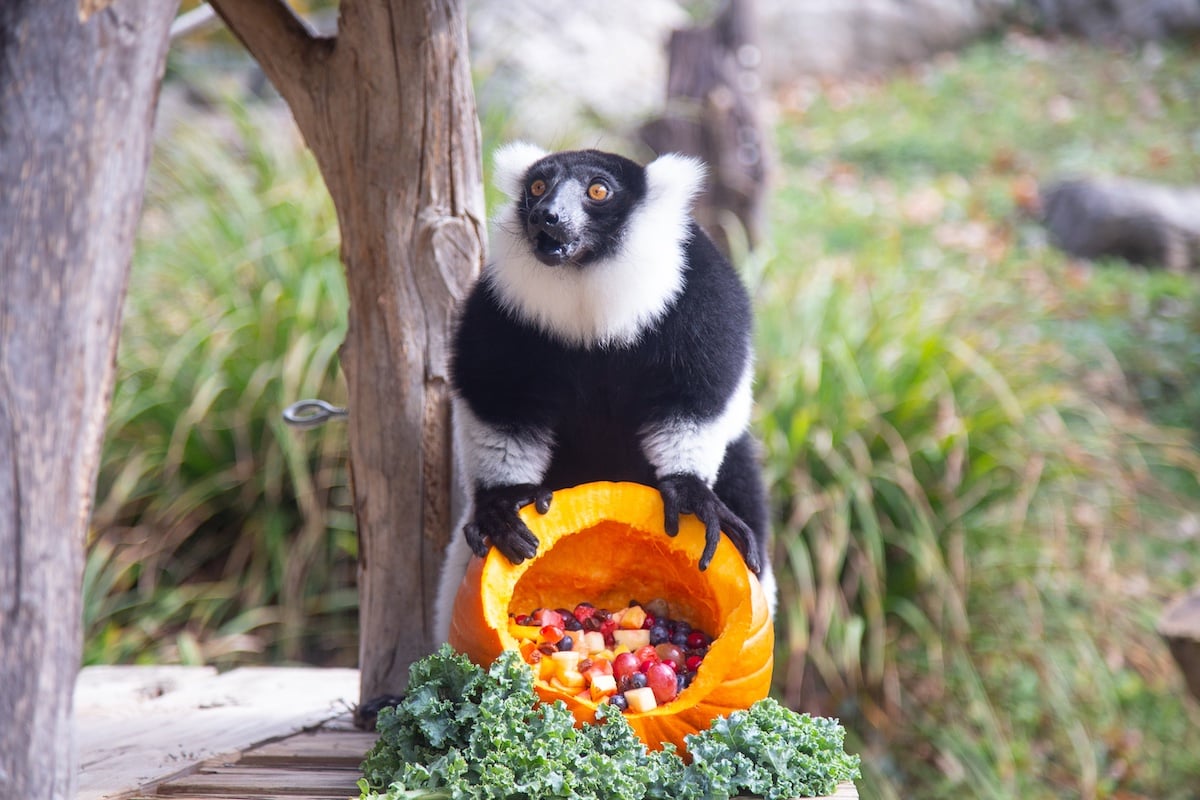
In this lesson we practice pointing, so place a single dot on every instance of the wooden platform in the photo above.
(187, 733)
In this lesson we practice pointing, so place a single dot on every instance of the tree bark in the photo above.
(389, 111)
(77, 103)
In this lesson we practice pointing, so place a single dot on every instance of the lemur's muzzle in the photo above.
(553, 233)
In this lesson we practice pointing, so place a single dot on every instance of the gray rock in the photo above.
(1144, 223)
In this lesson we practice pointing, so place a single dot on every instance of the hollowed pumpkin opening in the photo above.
(604, 543)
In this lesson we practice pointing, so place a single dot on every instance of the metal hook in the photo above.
(312, 413)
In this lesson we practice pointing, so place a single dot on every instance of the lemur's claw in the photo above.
(689, 494)
(497, 523)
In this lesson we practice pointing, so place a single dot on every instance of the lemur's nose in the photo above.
(543, 216)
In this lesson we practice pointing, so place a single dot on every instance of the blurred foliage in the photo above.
(983, 454)
(220, 534)
(984, 499)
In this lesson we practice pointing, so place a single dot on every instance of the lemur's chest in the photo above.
(597, 427)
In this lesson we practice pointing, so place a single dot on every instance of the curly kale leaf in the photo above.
(770, 751)
(433, 722)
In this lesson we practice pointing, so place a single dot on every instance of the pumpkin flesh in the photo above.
(604, 543)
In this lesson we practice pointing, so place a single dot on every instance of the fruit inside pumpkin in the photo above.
(604, 543)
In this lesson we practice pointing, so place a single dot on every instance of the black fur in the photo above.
(596, 399)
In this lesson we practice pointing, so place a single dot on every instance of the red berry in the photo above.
(696, 640)
(584, 611)
(693, 663)
(649, 623)
(646, 665)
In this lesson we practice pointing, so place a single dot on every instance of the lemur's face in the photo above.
(575, 205)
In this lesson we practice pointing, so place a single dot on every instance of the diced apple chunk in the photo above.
(603, 686)
(632, 639)
(593, 641)
(641, 699)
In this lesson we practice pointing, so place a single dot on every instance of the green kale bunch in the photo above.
(768, 751)
(464, 734)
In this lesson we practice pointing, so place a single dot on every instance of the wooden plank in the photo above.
(253, 782)
(317, 749)
(125, 748)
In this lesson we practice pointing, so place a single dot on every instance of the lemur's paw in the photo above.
(683, 493)
(496, 522)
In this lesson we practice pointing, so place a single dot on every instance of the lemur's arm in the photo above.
(504, 466)
(686, 453)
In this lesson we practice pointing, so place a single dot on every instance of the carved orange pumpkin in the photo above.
(604, 543)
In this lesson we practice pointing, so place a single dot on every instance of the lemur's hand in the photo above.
(688, 494)
(496, 521)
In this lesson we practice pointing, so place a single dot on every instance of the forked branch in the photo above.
(289, 52)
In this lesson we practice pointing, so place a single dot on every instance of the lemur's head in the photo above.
(573, 206)
(591, 247)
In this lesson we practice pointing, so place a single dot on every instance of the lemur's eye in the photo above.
(537, 188)
(598, 192)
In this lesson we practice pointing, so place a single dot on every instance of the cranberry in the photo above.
(696, 640)
(693, 663)
(584, 612)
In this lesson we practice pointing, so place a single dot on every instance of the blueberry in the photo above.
(572, 624)
(679, 638)
(619, 702)
(566, 643)
(637, 680)
(659, 634)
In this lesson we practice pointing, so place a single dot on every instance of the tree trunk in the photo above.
(389, 111)
(77, 105)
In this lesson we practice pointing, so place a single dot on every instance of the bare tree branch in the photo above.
(284, 46)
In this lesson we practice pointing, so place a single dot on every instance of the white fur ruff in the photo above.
(609, 302)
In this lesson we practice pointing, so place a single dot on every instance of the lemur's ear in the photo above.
(510, 163)
(675, 178)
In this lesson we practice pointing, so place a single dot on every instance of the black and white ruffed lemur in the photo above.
(608, 339)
